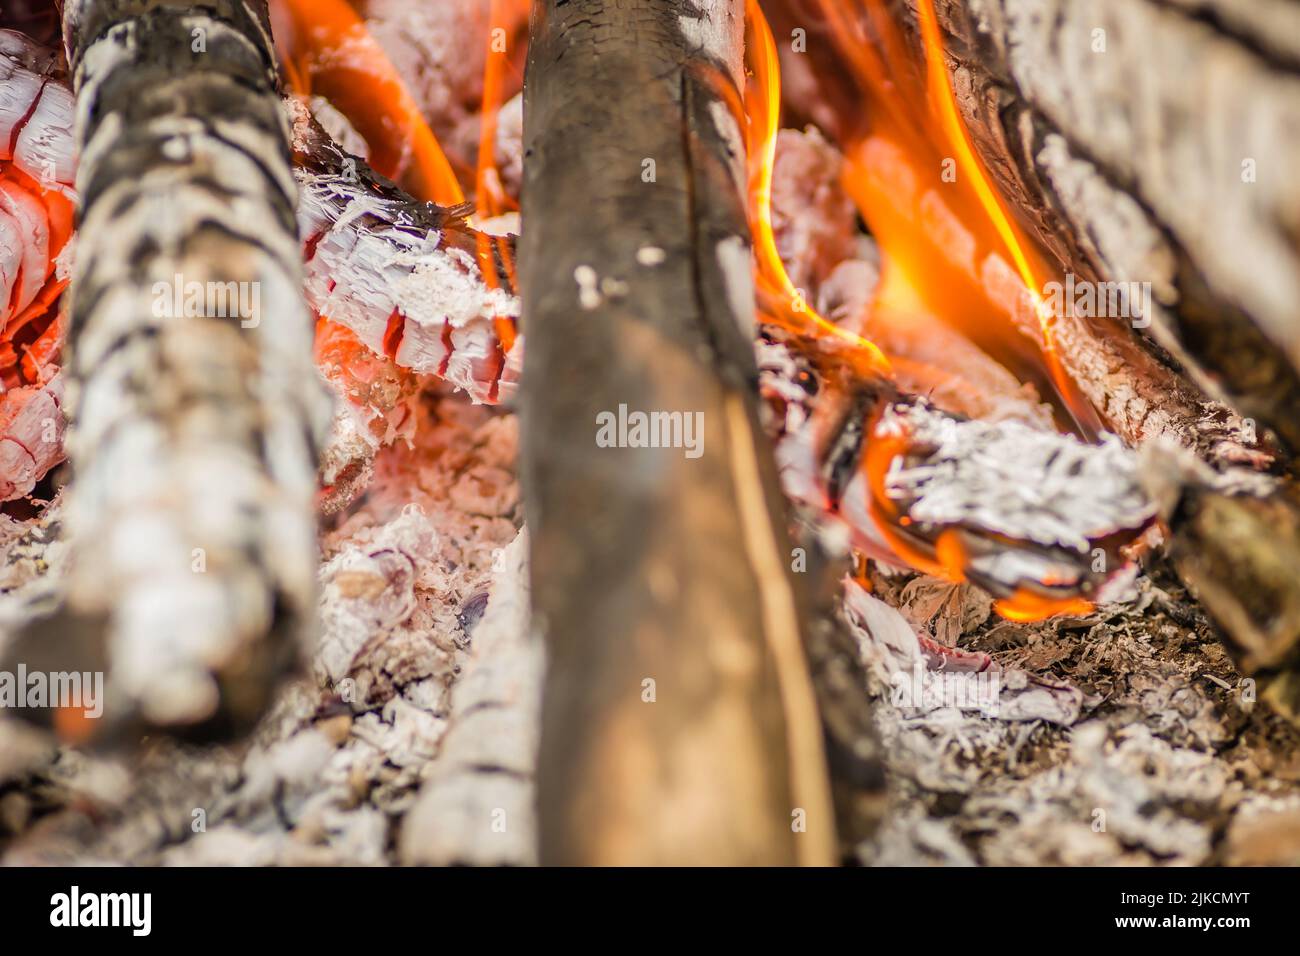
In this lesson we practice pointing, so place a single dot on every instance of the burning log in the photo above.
(1046, 94)
(909, 172)
(679, 724)
(996, 89)
(1040, 520)
(195, 407)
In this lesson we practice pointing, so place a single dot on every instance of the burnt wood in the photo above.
(194, 431)
(647, 565)
(1126, 166)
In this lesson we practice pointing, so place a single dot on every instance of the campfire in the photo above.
(498, 432)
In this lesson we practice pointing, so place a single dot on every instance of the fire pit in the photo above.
(763, 432)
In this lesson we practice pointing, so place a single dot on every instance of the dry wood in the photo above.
(679, 723)
(194, 435)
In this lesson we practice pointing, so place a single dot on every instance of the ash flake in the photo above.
(1010, 479)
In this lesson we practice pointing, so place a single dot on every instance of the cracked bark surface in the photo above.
(1130, 167)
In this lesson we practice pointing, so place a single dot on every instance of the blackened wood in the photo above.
(648, 566)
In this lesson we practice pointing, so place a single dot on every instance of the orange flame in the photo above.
(326, 49)
(943, 100)
(490, 197)
(764, 110)
(935, 240)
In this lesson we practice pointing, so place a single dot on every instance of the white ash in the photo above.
(1014, 480)
(814, 222)
(934, 694)
(336, 124)
(504, 225)
(509, 152)
(439, 51)
(370, 261)
(29, 95)
(332, 772)
(476, 804)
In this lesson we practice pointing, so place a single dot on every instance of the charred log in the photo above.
(196, 411)
(1047, 94)
(679, 723)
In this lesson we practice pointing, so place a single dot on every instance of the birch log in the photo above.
(679, 723)
(196, 411)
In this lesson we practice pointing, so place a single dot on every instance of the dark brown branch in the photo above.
(654, 573)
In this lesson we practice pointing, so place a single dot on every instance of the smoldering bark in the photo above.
(678, 720)
(194, 430)
(409, 281)
(1086, 115)
(408, 277)
(1086, 118)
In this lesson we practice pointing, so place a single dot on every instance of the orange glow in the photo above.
(31, 338)
(943, 100)
(914, 175)
(327, 50)
(949, 244)
(1026, 606)
(763, 107)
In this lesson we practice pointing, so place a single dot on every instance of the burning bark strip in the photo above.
(194, 434)
(678, 718)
